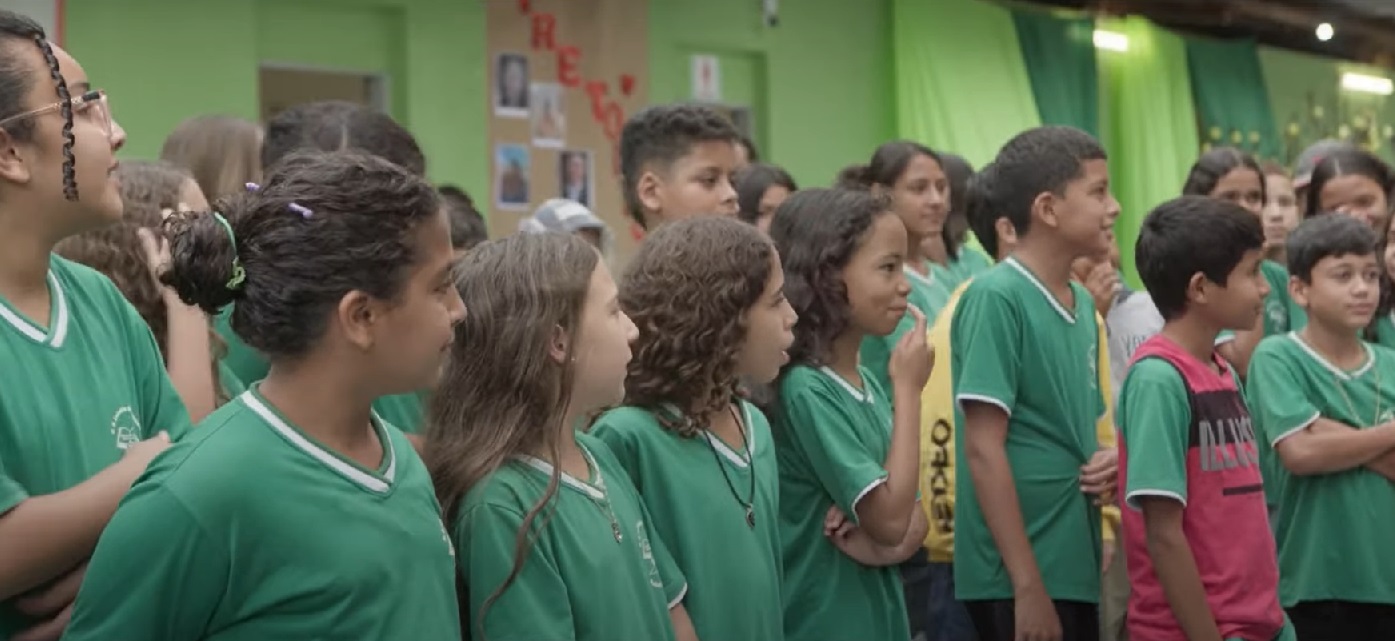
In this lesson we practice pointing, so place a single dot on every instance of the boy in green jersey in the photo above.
(1325, 403)
(84, 395)
(1025, 353)
(295, 512)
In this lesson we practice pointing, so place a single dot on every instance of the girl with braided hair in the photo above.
(87, 403)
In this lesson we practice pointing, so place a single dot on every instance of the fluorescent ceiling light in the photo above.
(1367, 84)
(1324, 32)
(1111, 40)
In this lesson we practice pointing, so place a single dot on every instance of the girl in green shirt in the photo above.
(553, 541)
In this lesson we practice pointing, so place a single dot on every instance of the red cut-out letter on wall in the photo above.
(597, 90)
(568, 59)
(544, 32)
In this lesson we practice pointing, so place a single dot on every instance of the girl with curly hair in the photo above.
(848, 464)
(707, 295)
(132, 253)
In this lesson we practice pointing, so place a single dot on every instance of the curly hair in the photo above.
(816, 232)
(687, 290)
(118, 252)
(154, 184)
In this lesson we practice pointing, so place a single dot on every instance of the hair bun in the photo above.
(202, 260)
(855, 177)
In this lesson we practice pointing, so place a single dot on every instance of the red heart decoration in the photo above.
(627, 84)
(525, 6)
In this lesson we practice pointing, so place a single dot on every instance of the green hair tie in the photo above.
(239, 275)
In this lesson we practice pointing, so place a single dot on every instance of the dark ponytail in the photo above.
(856, 177)
(324, 225)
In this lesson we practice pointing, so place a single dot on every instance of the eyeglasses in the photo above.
(91, 105)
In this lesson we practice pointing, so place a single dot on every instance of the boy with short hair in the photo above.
(676, 162)
(1325, 402)
(1199, 551)
(1025, 366)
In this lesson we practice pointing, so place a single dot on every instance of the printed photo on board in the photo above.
(574, 176)
(511, 171)
(511, 85)
(549, 118)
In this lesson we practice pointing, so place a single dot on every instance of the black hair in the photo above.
(752, 153)
(1212, 166)
(981, 211)
(816, 232)
(333, 125)
(1037, 161)
(658, 136)
(357, 236)
(751, 183)
(1330, 235)
(888, 162)
(467, 227)
(15, 82)
(958, 171)
(1348, 162)
(1189, 235)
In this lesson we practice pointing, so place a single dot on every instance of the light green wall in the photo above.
(819, 83)
(1305, 91)
(826, 69)
(165, 60)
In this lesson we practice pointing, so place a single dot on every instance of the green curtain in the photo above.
(1060, 56)
(961, 84)
(1232, 102)
(1151, 130)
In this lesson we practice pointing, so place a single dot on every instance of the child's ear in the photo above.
(1298, 291)
(13, 163)
(558, 347)
(1196, 288)
(1044, 210)
(357, 314)
(650, 189)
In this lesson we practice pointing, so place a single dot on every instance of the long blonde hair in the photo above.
(223, 153)
(503, 394)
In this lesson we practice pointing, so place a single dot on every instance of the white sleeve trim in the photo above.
(865, 491)
(678, 600)
(1222, 339)
(1131, 498)
(979, 398)
(1302, 425)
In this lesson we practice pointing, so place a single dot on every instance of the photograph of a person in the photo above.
(511, 166)
(511, 85)
(574, 176)
(549, 117)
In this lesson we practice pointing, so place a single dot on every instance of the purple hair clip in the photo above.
(301, 209)
(253, 187)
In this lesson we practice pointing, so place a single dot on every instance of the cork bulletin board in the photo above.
(564, 75)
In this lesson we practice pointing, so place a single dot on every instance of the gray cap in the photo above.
(1309, 159)
(560, 214)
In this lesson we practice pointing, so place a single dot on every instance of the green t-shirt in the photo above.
(76, 393)
(1385, 330)
(265, 535)
(691, 488)
(831, 441)
(971, 262)
(577, 582)
(246, 363)
(1012, 344)
(929, 294)
(1281, 312)
(1333, 529)
(404, 411)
